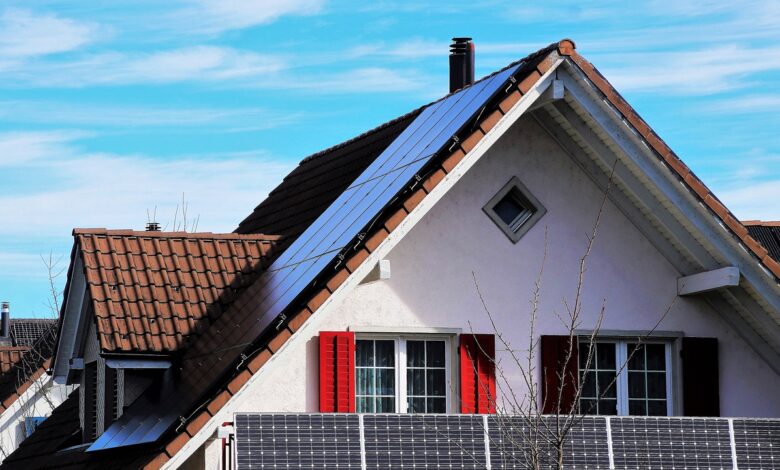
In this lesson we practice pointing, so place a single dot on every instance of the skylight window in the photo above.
(514, 210)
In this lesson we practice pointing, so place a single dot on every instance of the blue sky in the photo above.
(110, 109)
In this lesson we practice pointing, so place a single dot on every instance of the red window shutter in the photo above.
(554, 352)
(337, 372)
(477, 374)
(701, 394)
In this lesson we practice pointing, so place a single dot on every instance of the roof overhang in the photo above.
(654, 197)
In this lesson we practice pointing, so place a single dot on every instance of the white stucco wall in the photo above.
(432, 283)
(38, 400)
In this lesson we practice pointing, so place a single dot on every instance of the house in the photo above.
(27, 394)
(375, 278)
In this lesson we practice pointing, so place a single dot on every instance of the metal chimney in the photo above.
(5, 320)
(152, 227)
(461, 63)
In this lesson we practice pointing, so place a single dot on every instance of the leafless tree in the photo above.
(529, 438)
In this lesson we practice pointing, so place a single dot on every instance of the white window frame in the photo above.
(621, 361)
(400, 340)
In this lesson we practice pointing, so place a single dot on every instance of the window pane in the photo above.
(606, 384)
(656, 407)
(605, 353)
(364, 353)
(508, 209)
(365, 381)
(636, 355)
(637, 407)
(435, 356)
(437, 405)
(415, 353)
(415, 381)
(416, 405)
(365, 405)
(656, 356)
(636, 385)
(385, 381)
(588, 407)
(607, 407)
(436, 382)
(385, 353)
(589, 385)
(385, 405)
(656, 384)
(583, 354)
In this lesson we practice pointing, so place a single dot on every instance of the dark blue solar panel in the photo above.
(319, 245)
(424, 441)
(670, 443)
(297, 441)
(517, 442)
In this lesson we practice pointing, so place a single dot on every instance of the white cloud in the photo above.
(745, 105)
(214, 16)
(18, 148)
(110, 115)
(197, 63)
(753, 200)
(26, 34)
(691, 72)
(108, 190)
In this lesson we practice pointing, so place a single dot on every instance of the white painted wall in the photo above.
(39, 400)
(432, 283)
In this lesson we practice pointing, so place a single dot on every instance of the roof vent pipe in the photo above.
(461, 63)
(5, 320)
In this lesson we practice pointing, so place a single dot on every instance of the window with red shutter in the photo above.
(477, 374)
(337, 372)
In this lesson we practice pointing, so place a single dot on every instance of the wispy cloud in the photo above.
(110, 190)
(745, 104)
(198, 63)
(757, 200)
(63, 113)
(25, 34)
(216, 16)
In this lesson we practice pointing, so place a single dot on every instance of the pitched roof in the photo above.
(26, 331)
(151, 290)
(22, 365)
(55, 444)
(217, 365)
(767, 233)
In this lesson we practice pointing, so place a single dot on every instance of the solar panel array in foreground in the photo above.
(500, 442)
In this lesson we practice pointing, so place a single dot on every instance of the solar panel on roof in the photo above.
(514, 444)
(320, 244)
(666, 443)
(297, 441)
(424, 441)
(757, 443)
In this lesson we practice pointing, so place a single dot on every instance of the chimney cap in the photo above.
(152, 226)
(5, 306)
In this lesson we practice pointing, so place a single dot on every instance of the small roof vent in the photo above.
(152, 226)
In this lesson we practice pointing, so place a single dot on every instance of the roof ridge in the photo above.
(193, 235)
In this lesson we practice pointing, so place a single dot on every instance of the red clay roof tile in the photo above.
(151, 290)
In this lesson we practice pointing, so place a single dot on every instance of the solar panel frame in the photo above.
(297, 441)
(424, 441)
(670, 442)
